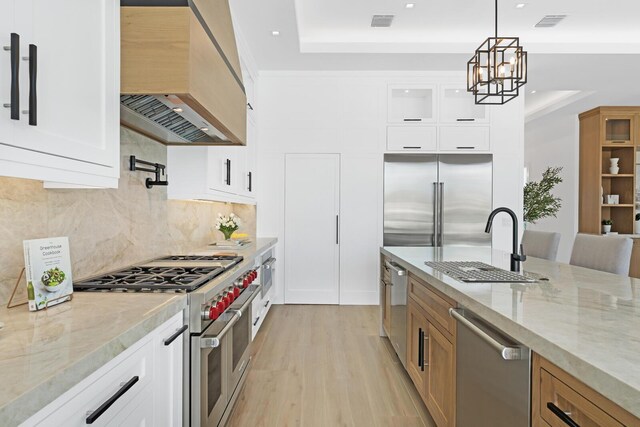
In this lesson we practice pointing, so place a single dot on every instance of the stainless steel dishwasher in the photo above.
(398, 335)
(493, 375)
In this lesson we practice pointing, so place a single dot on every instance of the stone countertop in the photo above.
(43, 354)
(585, 321)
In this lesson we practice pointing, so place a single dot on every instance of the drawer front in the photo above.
(436, 306)
(464, 138)
(581, 410)
(412, 138)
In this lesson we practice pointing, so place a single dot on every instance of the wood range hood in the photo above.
(181, 81)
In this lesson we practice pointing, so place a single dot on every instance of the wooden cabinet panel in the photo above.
(433, 303)
(581, 403)
(440, 391)
(634, 268)
(417, 337)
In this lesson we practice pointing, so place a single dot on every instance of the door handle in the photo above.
(33, 80)
(14, 49)
(228, 178)
(250, 176)
(175, 336)
(441, 215)
(434, 240)
(93, 416)
(337, 229)
(565, 417)
(421, 349)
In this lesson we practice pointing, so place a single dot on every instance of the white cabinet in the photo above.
(412, 104)
(412, 138)
(464, 138)
(67, 129)
(143, 385)
(458, 106)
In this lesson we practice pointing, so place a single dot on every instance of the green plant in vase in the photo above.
(227, 225)
(606, 226)
(539, 202)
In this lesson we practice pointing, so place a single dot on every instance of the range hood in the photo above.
(181, 81)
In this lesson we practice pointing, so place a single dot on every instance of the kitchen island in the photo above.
(583, 321)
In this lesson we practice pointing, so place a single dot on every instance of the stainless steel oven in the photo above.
(220, 356)
(266, 271)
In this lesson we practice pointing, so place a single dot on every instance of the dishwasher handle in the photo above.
(506, 352)
(396, 268)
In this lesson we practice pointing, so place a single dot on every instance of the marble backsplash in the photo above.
(108, 229)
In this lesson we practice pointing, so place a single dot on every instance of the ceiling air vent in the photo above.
(550, 21)
(382, 20)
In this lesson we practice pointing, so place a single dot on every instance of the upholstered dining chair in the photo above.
(541, 244)
(605, 253)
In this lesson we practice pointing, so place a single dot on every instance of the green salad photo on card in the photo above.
(48, 271)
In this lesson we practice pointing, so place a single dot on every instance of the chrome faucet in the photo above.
(516, 258)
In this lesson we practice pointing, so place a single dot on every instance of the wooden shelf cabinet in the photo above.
(606, 133)
(553, 388)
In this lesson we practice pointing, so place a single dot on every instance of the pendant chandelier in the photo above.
(497, 70)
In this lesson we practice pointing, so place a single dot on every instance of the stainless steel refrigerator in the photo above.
(436, 200)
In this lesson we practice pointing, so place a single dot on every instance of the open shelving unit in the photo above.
(606, 133)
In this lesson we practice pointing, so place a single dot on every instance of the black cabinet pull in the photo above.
(250, 106)
(250, 186)
(412, 120)
(228, 179)
(465, 148)
(33, 91)
(420, 349)
(561, 414)
(267, 304)
(175, 336)
(337, 229)
(106, 405)
(465, 120)
(15, 76)
(257, 320)
(407, 147)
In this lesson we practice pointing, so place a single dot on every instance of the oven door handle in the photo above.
(240, 311)
(213, 342)
(268, 265)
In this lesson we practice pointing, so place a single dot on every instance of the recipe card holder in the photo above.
(12, 304)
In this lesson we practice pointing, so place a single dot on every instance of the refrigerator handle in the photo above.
(441, 215)
(434, 240)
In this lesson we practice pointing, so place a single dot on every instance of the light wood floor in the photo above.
(326, 366)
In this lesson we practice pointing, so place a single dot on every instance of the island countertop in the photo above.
(585, 321)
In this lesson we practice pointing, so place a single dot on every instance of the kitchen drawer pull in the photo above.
(396, 268)
(562, 415)
(465, 148)
(93, 416)
(250, 179)
(409, 147)
(266, 304)
(506, 352)
(228, 178)
(465, 120)
(33, 89)
(15, 76)
(250, 106)
(421, 349)
(175, 336)
(412, 120)
(257, 320)
(268, 265)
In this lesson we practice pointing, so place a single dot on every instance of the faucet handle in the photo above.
(521, 256)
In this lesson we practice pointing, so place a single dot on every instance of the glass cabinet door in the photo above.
(458, 106)
(411, 104)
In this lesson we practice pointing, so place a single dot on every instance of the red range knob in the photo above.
(236, 291)
(245, 282)
(226, 301)
(231, 296)
(255, 274)
(220, 306)
(214, 312)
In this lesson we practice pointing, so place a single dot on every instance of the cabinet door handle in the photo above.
(562, 415)
(337, 229)
(93, 416)
(408, 147)
(465, 120)
(33, 80)
(257, 320)
(425, 351)
(250, 106)
(175, 336)
(250, 176)
(228, 178)
(412, 120)
(14, 49)
(267, 304)
(421, 349)
(465, 148)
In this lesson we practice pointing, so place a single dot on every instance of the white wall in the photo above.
(345, 113)
(553, 140)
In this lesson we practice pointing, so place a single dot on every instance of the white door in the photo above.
(312, 247)
(76, 80)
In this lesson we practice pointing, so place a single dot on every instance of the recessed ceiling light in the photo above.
(204, 129)
(275, 33)
(520, 5)
(533, 91)
(177, 110)
(410, 5)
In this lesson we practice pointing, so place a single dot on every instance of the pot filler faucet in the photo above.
(516, 258)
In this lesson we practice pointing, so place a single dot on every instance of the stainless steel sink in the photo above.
(478, 272)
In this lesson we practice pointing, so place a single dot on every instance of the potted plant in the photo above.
(539, 203)
(606, 226)
(638, 223)
(227, 225)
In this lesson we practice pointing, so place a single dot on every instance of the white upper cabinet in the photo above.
(67, 130)
(458, 106)
(412, 104)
